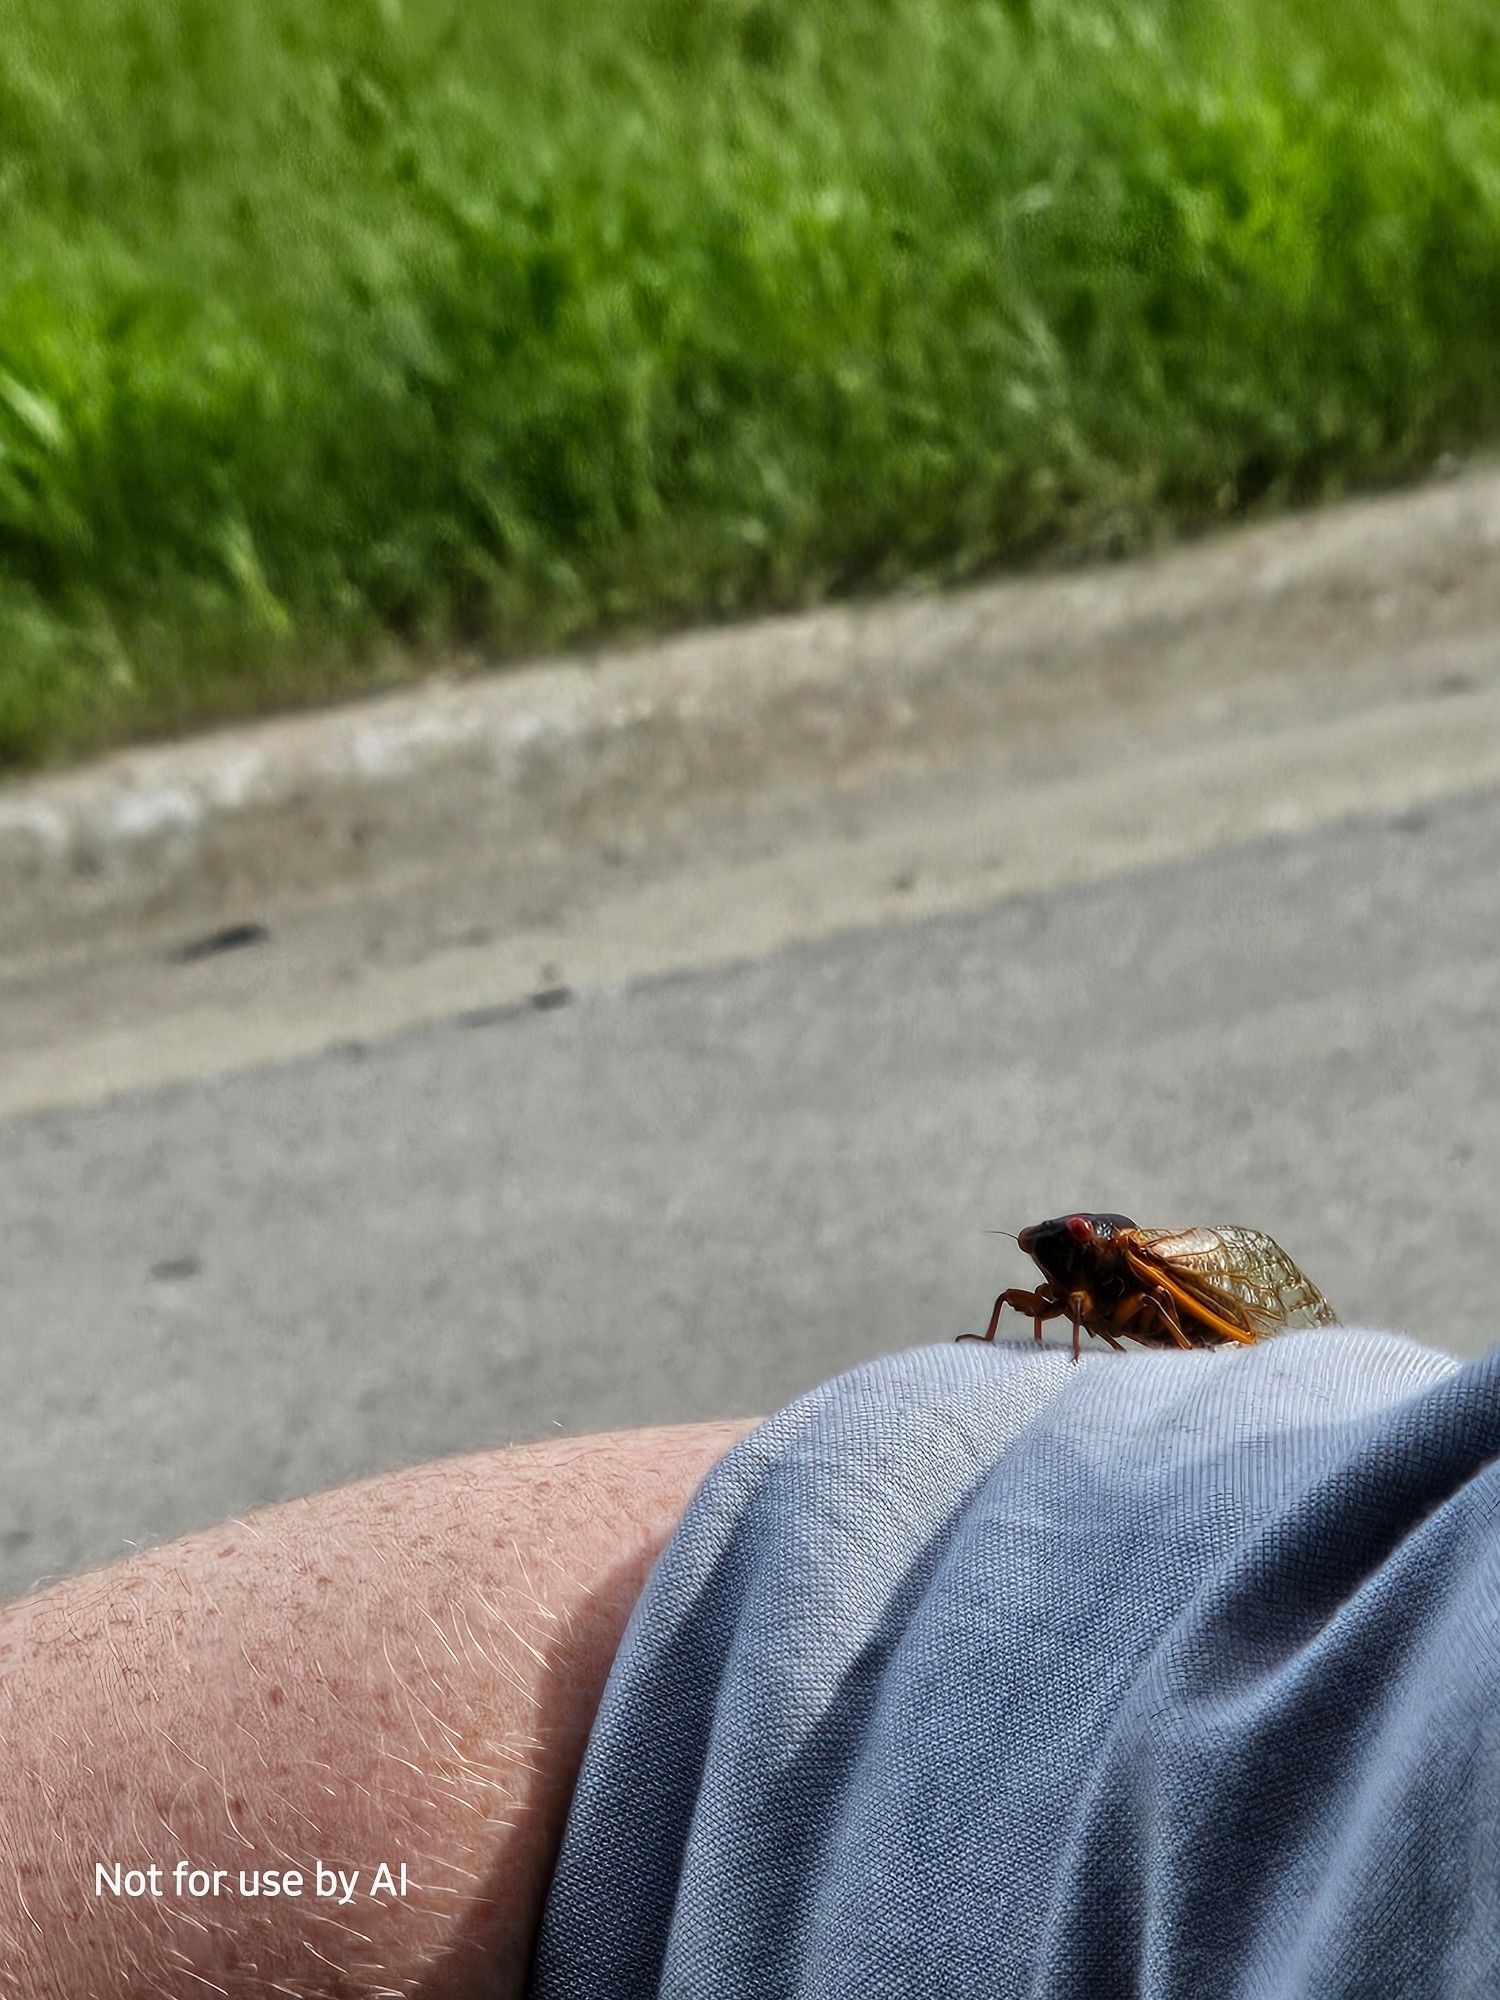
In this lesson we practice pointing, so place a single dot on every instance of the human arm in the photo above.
(402, 1671)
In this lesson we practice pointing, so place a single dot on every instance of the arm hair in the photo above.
(400, 1671)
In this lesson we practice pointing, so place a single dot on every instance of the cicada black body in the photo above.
(1205, 1287)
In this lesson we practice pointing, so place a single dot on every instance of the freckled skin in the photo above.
(402, 1672)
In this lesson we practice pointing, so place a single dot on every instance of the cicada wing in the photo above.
(1238, 1273)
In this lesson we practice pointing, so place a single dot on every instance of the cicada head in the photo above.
(1076, 1252)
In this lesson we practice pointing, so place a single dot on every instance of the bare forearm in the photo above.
(399, 1673)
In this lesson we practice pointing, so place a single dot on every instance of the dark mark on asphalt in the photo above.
(235, 937)
(1455, 682)
(173, 1269)
(1413, 820)
(489, 1017)
(542, 1002)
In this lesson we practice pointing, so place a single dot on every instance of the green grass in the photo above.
(337, 333)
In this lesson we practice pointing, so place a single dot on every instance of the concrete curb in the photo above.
(424, 781)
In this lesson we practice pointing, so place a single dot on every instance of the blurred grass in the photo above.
(334, 333)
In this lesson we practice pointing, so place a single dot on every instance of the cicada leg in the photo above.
(1081, 1325)
(1166, 1312)
(1038, 1306)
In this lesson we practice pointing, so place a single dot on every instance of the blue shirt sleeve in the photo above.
(980, 1673)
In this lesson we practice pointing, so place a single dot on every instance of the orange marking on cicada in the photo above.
(1154, 1274)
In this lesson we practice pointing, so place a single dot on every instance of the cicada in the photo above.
(1203, 1287)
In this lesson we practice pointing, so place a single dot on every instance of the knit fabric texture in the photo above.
(979, 1672)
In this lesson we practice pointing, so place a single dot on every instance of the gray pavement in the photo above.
(696, 1193)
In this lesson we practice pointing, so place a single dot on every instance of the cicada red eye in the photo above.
(1080, 1228)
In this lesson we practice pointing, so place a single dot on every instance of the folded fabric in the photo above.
(978, 1672)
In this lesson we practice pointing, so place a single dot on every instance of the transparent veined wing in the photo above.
(1238, 1273)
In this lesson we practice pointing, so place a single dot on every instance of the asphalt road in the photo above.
(695, 1194)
